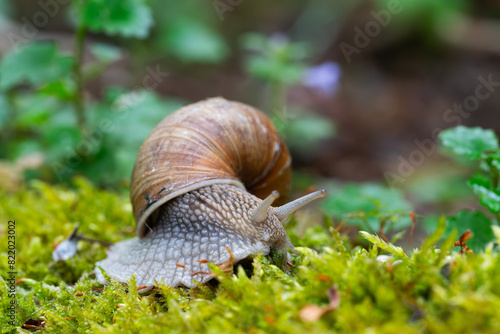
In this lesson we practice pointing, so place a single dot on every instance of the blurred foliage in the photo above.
(432, 10)
(305, 130)
(35, 63)
(431, 291)
(44, 110)
(429, 18)
(435, 187)
(281, 63)
(477, 222)
(191, 42)
(188, 32)
(127, 18)
(472, 143)
(275, 59)
(369, 206)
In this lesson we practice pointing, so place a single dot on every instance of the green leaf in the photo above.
(305, 131)
(62, 89)
(477, 222)
(193, 41)
(62, 141)
(350, 199)
(479, 180)
(481, 186)
(36, 63)
(36, 111)
(495, 160)
(470, 143)
(135, 113)
(128, 18)
(18, 148)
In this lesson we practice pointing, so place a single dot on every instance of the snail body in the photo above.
(196, 192)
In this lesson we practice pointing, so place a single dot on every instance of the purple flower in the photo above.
(324, 77)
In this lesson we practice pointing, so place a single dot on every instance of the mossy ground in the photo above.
(426, 293)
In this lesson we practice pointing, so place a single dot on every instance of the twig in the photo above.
(278, 97)
(104, 243)
(381, 230)
(413, 221)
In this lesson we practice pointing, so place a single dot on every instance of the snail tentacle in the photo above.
(259, 215)
(285, 210)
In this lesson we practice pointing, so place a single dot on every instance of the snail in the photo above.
(196, 192)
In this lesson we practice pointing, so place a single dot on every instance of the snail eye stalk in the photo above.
(259, 215)
(285, 210)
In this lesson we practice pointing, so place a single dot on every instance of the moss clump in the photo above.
(427, 292)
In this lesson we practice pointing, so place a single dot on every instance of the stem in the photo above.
(494, 182)
(77, 72)
(381, 230)
(103, 243)
(367, 226)
(278, 96)
(494, 175)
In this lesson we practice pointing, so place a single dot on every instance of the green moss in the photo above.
(423, 294)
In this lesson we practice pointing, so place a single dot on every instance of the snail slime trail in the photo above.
(10, 275)
(200, 194)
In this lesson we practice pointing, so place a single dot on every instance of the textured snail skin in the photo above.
(196, 226)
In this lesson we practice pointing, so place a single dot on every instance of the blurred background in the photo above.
(358, 89)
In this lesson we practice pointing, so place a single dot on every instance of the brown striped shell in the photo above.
(209, 142)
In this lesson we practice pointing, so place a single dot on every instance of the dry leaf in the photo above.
(33, 324)
(312, 312)
(466, 236)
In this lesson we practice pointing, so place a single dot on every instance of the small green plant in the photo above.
(278, 61)
(428, 291)
(281, 63)
(481, 147)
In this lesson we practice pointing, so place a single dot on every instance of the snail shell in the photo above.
(210, 142)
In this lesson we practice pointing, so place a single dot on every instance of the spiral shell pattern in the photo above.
(206, 143)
